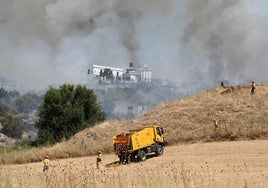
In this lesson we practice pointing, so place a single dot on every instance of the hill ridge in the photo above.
(240, 115)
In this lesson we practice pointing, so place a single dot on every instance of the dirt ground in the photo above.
(215, 164)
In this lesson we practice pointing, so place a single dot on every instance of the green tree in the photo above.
(66, 111)
(8, 96)
(5, 108)
(13, 126)
(28, 102)
(3, 93)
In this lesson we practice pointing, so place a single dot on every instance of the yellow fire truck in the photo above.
(135, 145)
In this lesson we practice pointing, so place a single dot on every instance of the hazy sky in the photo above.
(49, 42)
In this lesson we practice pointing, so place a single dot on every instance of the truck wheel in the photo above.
(142, 155)
(159, 150)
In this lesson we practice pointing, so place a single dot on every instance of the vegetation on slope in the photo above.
(16, 113)
(240, 116)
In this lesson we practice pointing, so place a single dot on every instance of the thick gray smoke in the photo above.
(54, 41)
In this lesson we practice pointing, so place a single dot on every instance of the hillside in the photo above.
(241, 116)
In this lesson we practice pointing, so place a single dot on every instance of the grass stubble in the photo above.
(214, 164)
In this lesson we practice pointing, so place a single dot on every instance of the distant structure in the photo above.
(105, 73)
(145, 73)
(131, 74)
(142, 110)
(110, 75)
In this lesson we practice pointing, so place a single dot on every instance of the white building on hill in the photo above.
(110, 74)
(145, 73)
(98, 69)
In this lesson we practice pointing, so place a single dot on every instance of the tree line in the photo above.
(13, 107)
(62, 112)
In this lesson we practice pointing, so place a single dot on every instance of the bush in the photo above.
(66, 111)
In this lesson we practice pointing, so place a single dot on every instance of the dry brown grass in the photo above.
(214, 164)
(241, 116)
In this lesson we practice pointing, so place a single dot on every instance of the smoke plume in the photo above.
(54, 41)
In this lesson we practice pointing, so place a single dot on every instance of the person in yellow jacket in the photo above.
(216, 125)
(99, 159)
(47, 163)
(253, 87)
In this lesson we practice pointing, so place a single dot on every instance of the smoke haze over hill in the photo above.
(54, 41)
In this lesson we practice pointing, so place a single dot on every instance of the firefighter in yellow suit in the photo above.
(253, 87)
(216, 125)
(47, 163)
(99, 159)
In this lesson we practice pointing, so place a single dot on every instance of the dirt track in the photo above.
(218, 164)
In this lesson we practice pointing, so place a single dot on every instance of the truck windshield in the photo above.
(159, 131)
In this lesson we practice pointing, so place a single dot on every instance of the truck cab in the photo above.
(136, 144)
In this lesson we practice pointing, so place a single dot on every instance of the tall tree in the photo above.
(66, 111)
(13, 126)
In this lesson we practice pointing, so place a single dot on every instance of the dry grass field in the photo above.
(213, 164)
